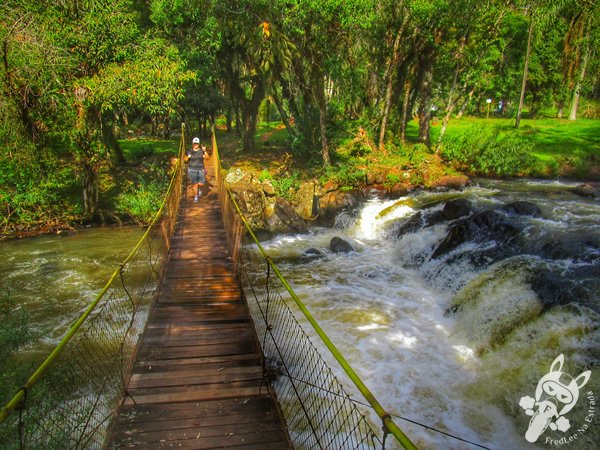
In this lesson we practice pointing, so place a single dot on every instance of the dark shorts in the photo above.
(196, 176)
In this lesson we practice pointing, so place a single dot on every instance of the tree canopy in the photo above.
(74, 72)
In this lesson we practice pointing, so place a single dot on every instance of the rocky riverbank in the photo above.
(314, 203)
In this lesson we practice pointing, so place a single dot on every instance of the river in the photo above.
(452, 341)
(53, 278)
(455, 340)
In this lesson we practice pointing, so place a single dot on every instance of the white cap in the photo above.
(196, 140)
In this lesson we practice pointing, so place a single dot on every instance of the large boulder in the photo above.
(452, 182)
(484, 226)
(332, 203)
(306, 201)
(457, 208)
(412, 224)
(587, 190)
(523, 208)
(285, 219)
(339, 245)
(252, 203)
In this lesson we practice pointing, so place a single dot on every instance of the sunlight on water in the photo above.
(56, 277)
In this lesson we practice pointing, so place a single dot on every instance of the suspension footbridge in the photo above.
(197, 381)
(188, 346)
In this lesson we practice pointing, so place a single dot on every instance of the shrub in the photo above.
(392, 179)
(344, 174)
(285, 186)
(141, 201)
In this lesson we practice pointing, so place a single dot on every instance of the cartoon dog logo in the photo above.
(556, 394)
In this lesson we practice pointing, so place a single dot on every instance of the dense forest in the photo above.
(78, 75)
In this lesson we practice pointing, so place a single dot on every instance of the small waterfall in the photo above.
(454, 304)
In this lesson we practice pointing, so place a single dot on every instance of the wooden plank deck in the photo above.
(196, 383)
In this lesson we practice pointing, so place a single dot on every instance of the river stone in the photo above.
(523, 208)
(311, 254)
(485, 226)
(414, 223)
(339, 245)
(453, 181)
(457, 208)
(586, 190)
(285, 219)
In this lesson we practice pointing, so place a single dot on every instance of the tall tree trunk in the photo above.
(425, 104)
(405, 115)
(577, 90)
(389, 86)
(283, 114)
(466, 102)
(238, 121)
(250, 115)
(229, 119)
(109, 138)
(559, 109)
(525, 71)
(319, 95)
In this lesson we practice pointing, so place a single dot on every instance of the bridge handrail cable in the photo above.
(157, 233)
(389, 426)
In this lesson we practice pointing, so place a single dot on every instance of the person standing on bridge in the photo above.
(196, 171)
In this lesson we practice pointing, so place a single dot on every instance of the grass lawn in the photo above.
(135, 149)
(560, 147)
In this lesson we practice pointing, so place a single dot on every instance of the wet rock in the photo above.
(579, 285)
(313, 252)
(485, 226)
(339, 245)
(285, 219)
(332, 203)
(414, 223)
(457, 208)
(586, 190)
(581, 248)
(453, 181)
(523, 208)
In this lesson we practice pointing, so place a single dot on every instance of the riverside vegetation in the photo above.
(392, 93)
(131, 191)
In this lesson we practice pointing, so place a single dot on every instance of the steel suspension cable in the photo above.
(385, 417)
(41, 370)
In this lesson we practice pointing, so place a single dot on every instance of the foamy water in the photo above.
(385, 306)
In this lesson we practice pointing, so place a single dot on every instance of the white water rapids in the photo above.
(385, 307)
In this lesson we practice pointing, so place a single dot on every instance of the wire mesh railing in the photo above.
(70, 399)
(319, 412)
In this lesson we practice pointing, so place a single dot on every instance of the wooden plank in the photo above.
(197, 381)
(191, 395)
(170, 411)
(185, 378)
